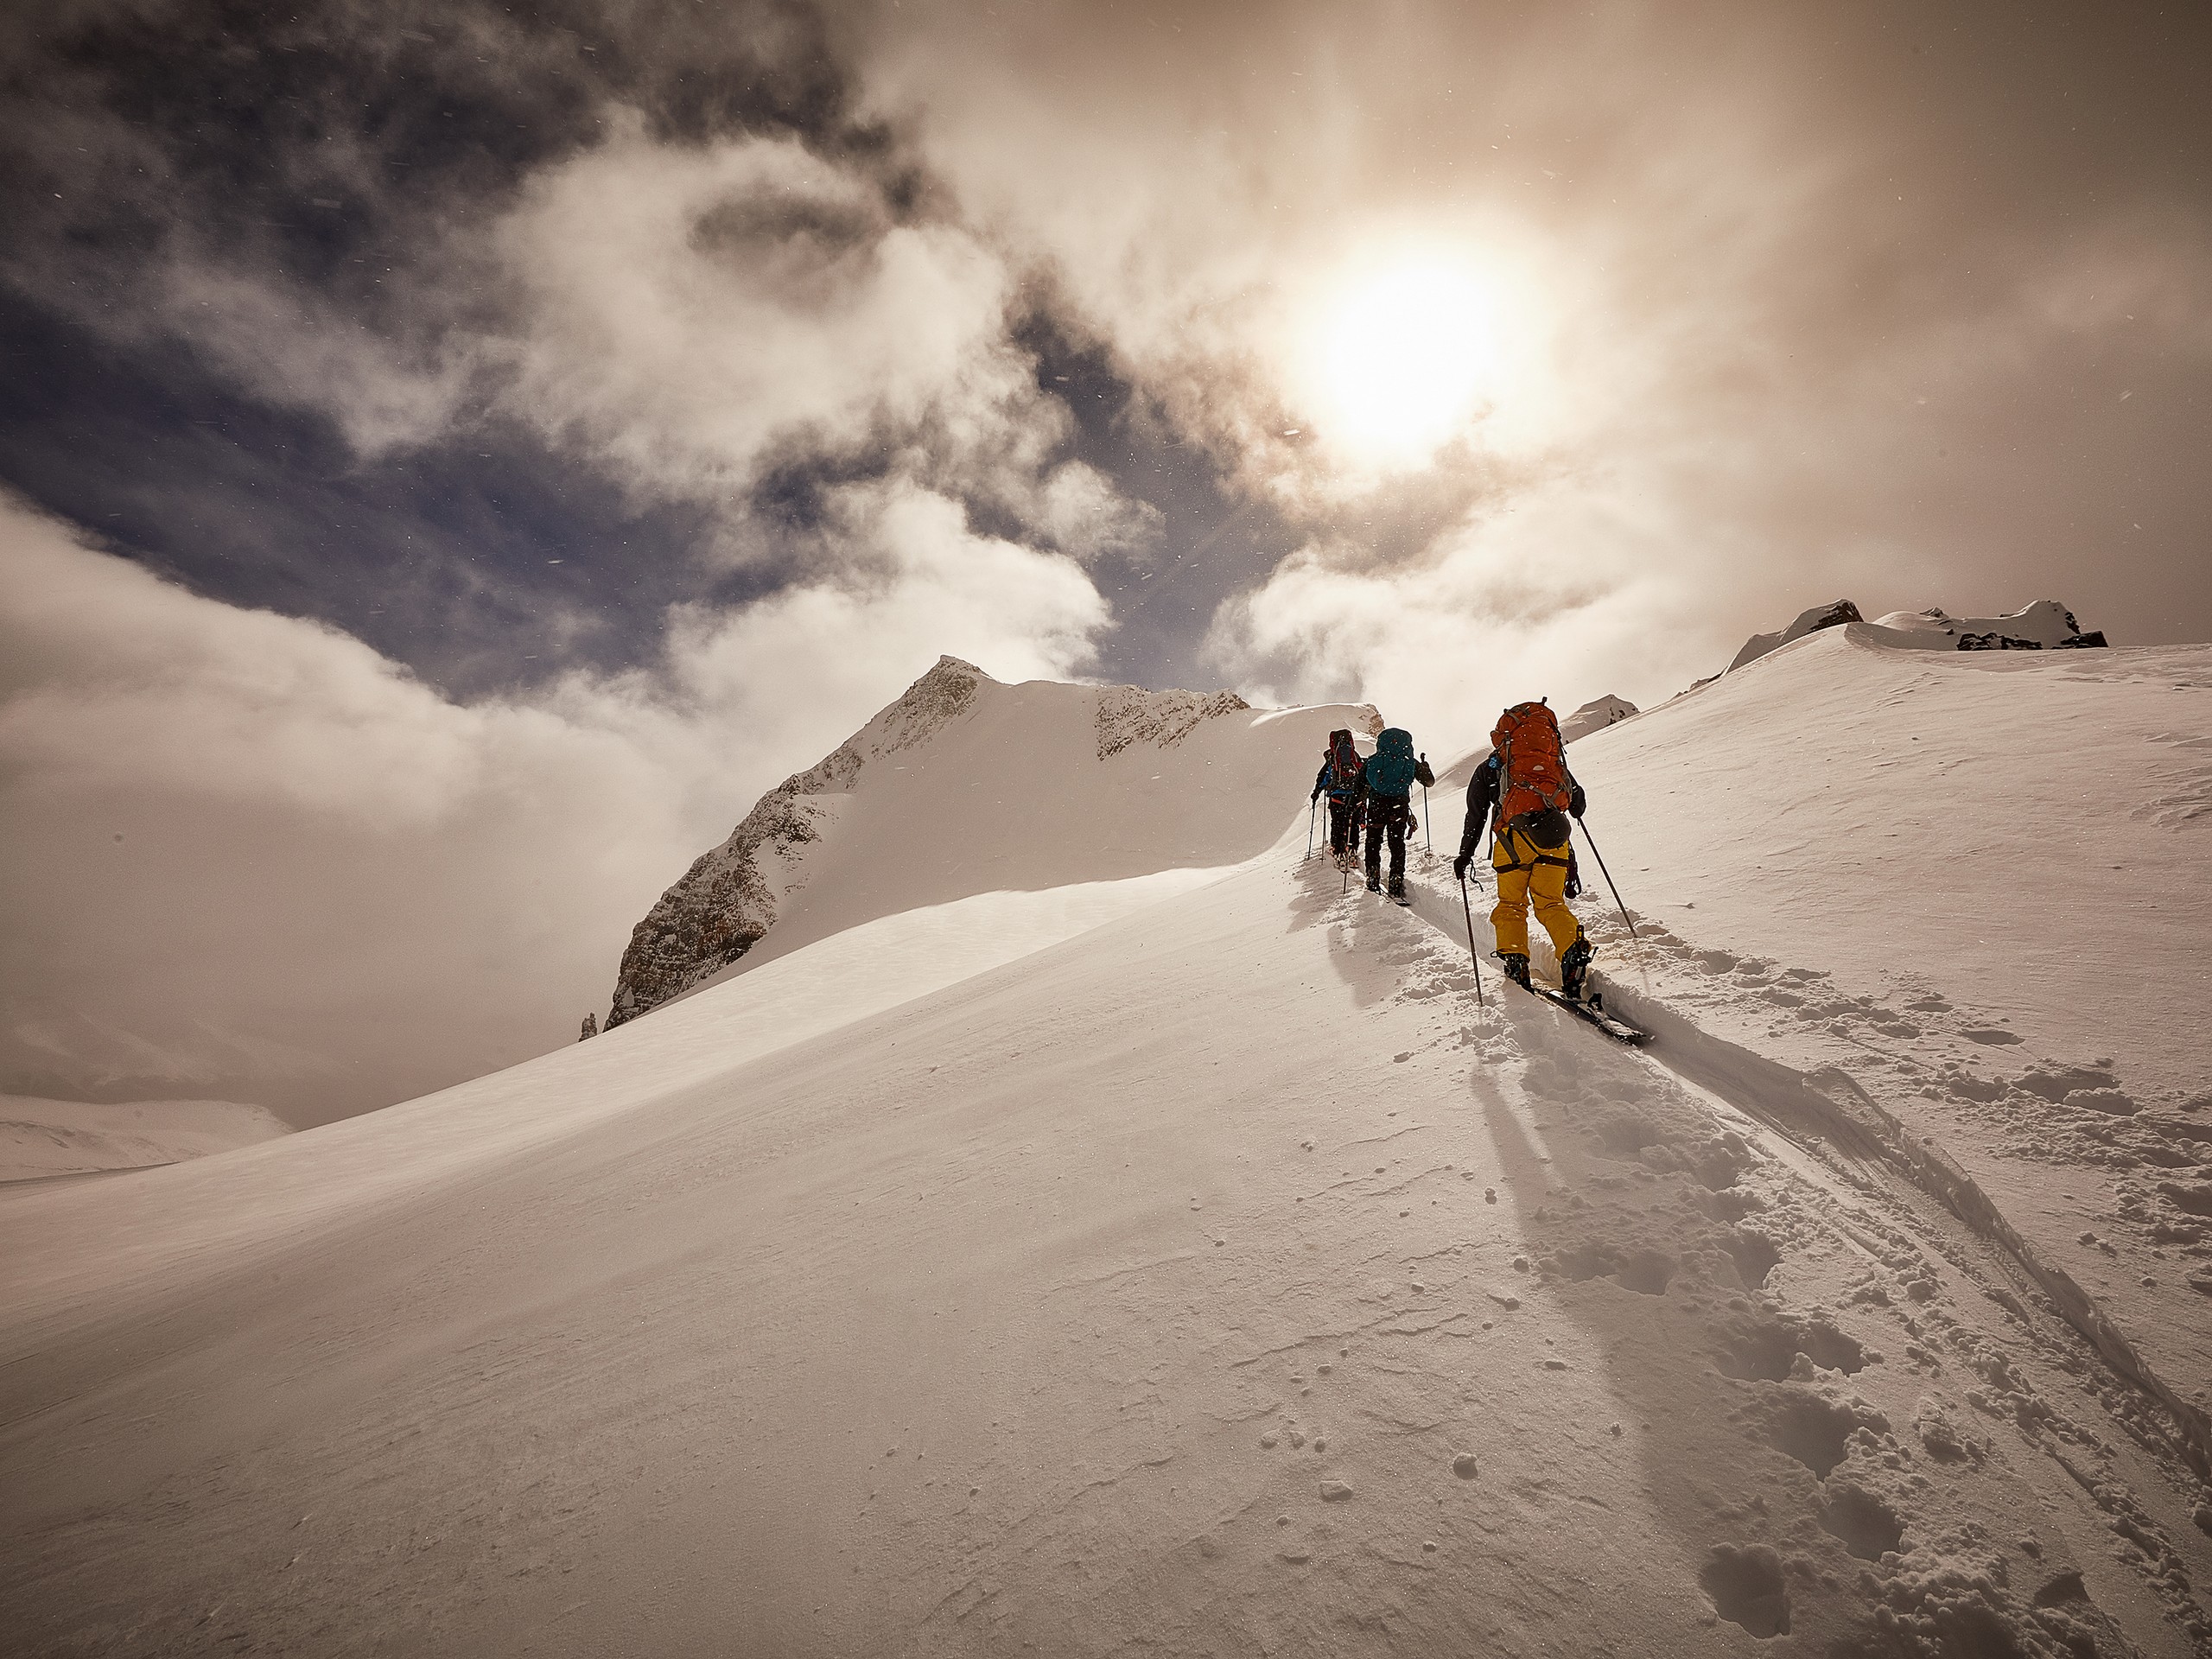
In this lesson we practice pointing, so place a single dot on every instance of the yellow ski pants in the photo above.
(1527, 872)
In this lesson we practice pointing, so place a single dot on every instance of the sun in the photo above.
(1402, 359)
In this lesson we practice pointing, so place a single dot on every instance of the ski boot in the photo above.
(1374, 885)
(1574, 968)
(1398, 891)
(1516, 968)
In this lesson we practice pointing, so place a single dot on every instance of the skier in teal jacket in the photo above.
(1392, 772)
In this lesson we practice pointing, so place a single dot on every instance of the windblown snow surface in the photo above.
(45, 1139)
(1226, 1278)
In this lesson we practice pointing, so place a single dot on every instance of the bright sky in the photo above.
(548, 435)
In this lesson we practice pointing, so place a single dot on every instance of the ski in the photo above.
(1592, 1011)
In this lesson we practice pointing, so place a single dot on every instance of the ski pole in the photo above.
(1310, 808)
(1468, 911)
(1428, 838)
(1600, 857)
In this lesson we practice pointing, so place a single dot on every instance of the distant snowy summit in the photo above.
(965, 786)
(2044, 625)
(1595, 715)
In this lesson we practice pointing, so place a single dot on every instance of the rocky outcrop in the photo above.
(1129, 714)
(1821, 616)
(2044, 625)
(726, 900)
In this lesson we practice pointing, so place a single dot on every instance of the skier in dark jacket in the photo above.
(1391, 774)
(1343, 778)
(1534, 861)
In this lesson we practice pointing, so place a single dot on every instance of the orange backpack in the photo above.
(1531, 764)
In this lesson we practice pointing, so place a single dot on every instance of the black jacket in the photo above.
(1482, 800)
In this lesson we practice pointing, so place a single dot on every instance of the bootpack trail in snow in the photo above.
(1155, 1244)
(1835, 1182)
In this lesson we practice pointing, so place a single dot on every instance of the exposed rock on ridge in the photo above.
(730, 898)
(2044, 625)
(1128, 713)
(726, 900)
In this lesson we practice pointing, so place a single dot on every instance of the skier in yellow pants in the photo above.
(1527, 872)
(1526, 793)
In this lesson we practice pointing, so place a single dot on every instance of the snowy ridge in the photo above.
(2046, 625)
(1595, 715)
(1821, 616)
(961, 786)
(726, 900)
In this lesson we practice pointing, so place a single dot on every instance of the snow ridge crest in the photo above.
(726, 900)
(2045, 624)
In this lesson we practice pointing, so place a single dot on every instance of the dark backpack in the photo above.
(1392, 769)
(1346, 767)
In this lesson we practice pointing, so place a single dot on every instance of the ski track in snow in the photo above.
(1220, 1279)
(1809, 1200)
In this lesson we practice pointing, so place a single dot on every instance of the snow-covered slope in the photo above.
(1224, 1278)
(1983, 879)
(43, 1138)
(965, 786)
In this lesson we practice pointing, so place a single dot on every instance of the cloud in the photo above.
(692, 316)
(250, 859)
(1492, 614)
(1730, 253)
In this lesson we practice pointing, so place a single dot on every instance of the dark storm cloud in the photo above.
(259, 285)
(244, 302)
(482, 565)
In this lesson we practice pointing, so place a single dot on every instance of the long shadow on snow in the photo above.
(1633, 1202)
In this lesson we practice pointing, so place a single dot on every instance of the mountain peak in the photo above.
(963, 784)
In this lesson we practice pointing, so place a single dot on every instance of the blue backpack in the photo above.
(1390, 770)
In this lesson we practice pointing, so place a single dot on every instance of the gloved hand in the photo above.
(1460, 864)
